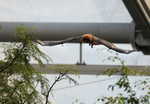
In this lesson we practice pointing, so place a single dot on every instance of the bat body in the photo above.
(86, 38)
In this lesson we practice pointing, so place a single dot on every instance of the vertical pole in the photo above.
(80, 53)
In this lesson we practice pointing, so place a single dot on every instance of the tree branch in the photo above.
(30, 93)
(56, 80)
(13, 60)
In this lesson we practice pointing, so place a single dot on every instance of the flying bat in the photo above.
(86, 38)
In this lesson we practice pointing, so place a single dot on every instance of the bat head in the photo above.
(87, 38)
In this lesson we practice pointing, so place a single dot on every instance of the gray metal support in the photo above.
(80, 53)
(81, 62)
(88, 69)
(140, 12)
(113, 32)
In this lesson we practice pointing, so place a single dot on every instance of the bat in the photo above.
(86, 38)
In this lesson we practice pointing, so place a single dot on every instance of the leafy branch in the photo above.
(18, 76)
(9, 63)
(63, 71)
(124, 83)
(122, 69)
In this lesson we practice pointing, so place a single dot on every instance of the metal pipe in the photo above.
(87, 69)
(80, 53)
(113, 32)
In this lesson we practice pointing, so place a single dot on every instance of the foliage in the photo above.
(63, 71)
(77, 101)
(18, 78)
(124, 83)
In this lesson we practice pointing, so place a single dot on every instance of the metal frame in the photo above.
(57, 31)
(140, 12)
(86, 69)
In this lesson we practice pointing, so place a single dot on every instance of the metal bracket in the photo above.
(80, 56)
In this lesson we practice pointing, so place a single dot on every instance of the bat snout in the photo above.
(86, 40)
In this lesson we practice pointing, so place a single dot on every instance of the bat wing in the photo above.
(110, 45)
(53, 43)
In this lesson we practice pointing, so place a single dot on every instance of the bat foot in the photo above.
(91, 45)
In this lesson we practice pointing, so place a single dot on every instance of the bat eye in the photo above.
(86, 40)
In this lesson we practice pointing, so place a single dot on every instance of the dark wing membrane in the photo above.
(53, 43)
(111, 46)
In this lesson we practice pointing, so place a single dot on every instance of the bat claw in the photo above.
(40, 42)
(90, 44)
(129, 51)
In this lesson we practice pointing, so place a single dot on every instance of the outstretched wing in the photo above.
(53, 43)
(110, 45)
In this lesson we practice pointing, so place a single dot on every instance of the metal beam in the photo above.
(113, 32)
(86, 69)
(139, 13)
